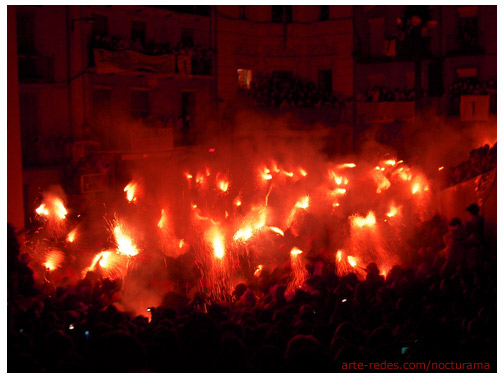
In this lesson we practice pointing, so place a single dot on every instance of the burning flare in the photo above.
(124, 241)
(368, 221)
(71, 236)
(131, 190)
(53, 260)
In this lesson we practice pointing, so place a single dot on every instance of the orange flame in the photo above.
(339, 255)
(368, 221)
(277, 230)
(237, 202)
(303, 172)
(303, 203)
(258, 271)
(223, 185)
(163, 220)
(130, 191)
(124, 241)
(347, 165)
(394, 210)
(218, 245)
(352, 261)
(53, 260)
(53, 205)
(440, 168)
(266, 174)
(71, 236)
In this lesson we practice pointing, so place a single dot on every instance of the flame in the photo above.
(440, 168)
(124, 241)
(200, 178)
(71, 236)
(352, 261)
(163, 220)
(188, 175)
(391, 162)
(290, 174)
(181, 243)
(338, 179)
(218, 245)
(381, 181)
(347, 165)
(109, 263)
(337, 192)
(223, 185)
(53, 260)
(303, 172)
(266, 174)
(299, 272)
(295, 252)
(277, 230)
(258, 271)
(244, 234)
(130, 191)
(53, 205)
(360, 222)
(393, 211)
(207, 171)
(303, 203)
(237, 202)
(339, 255)
(253, 223)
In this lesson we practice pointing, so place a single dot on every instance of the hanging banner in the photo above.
(107, 61)
(474, 107)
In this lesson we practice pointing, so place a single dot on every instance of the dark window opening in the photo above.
(100, 25)
(140, 106)
(325, 81)
(28, 106)
(324, 12)
(187, 37)
(281, 13)
(467, 38)
(26, 34)
(138, 33)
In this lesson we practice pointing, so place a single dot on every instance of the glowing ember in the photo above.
(303, 203)
(352, 261)
(258, 271)
(237, 202)
(124, 241)
(181, 243)
(440, 168)
(360, 222)
(130, 191)
(71, 236)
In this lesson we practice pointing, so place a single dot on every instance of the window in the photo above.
(281, 12)
(140, 106)
(25, 33)
(244, 78)
(325, 81)
(28, 106)
(138, 32)
(324, 12)
(187, 37)
(467, 37)
(376, 36)
(100, 25)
